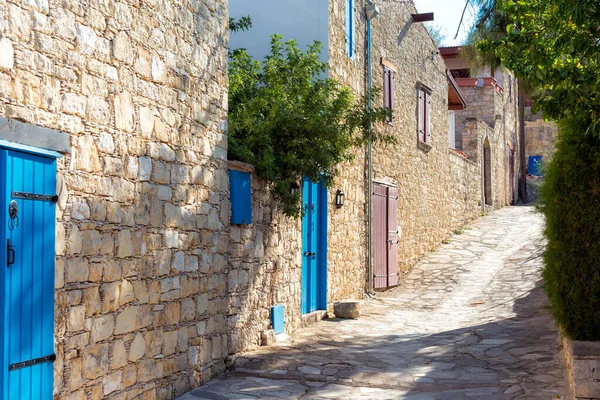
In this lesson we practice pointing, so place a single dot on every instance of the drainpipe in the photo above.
(371, 12)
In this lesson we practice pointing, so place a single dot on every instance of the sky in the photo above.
(447, 15)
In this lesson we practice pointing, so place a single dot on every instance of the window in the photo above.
(388, 90)
(424, 118)
(350, 28)
(452, 130)
(461, 73)
(241, 198)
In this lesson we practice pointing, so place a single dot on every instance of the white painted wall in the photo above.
(303, 20)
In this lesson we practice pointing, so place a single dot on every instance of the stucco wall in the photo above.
(305, 21)
(141, 88)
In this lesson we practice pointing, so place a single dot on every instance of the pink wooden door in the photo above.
(385, 236)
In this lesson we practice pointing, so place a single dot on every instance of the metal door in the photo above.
(385, 236)
(27, 186)
(314, 246)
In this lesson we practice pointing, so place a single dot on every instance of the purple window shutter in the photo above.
(421, 113)
(428, 117)
(391, 89)
(386, 88)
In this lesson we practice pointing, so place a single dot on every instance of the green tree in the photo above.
(437, 34)
(554, 46)
(289, 121)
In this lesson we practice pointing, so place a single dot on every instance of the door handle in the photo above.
(10, 254)
(308, 254)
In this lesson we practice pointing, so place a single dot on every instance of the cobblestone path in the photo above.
(470, 321)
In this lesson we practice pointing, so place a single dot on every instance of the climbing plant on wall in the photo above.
(289, 120)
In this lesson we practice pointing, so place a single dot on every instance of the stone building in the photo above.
(127, 278)
(423, 189)
(540, 136)
(492, 98)
(123, 105)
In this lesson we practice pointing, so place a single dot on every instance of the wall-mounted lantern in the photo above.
(339, 199)
(294, 189)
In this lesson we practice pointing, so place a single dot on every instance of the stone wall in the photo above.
(265, 259)
(497, 108)
(141, 276)
(434, 183)
(540, 136)
(582, 359)
(347, 259)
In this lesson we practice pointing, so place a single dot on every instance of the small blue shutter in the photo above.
(349, 28)
(241, 198)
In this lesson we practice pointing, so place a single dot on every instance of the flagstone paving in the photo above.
(469, 321)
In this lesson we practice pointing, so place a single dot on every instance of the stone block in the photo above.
(95, 361)
(137, 349)
(7, 54)
(347, 309)
(126, 320)
(267, 338)
(102, 327)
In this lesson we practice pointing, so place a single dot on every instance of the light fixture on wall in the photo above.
(294, 189)
(339, 199)
(371, 10)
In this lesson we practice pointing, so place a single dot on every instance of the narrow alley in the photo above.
(471, 320)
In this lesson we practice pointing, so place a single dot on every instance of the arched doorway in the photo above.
(487, 172)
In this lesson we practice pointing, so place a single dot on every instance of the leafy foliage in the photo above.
(554, 45)
(290, 121)
(437, 33)
(570, 199)
(242, 24)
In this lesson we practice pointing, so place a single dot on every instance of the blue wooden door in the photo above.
(27, 270)
(314, 246)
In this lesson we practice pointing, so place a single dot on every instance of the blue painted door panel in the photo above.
(314, 246)
(28, 284)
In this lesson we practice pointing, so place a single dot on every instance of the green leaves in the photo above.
(290, 121)
(554, 46)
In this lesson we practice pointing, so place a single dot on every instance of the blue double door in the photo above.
(314, 246)
(27, 229)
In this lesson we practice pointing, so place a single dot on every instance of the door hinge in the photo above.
(29, 363)
(35, 196)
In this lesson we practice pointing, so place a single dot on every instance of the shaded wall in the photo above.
(141, 88)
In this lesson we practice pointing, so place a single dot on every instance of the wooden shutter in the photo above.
(391, 86)
(428, 118)
(421, 114)
(386, 87)
(241, 197)
(392, 227)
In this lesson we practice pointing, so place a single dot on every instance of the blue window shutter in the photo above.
(241, 198)
(349, 28)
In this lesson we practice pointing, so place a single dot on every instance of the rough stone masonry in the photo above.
(141, 88)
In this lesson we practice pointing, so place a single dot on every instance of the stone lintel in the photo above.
(240, 166)
(32, 135)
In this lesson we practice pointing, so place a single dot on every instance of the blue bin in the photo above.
(277, 321)
(535, 165)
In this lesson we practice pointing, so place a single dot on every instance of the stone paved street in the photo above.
(470, 321)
